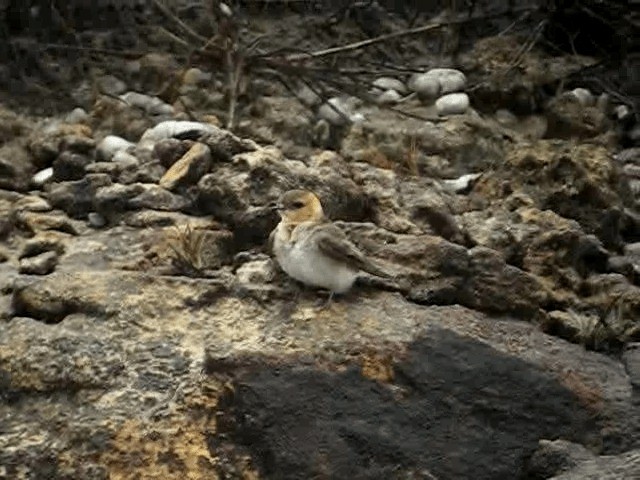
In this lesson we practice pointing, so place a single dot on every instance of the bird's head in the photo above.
(297, 206)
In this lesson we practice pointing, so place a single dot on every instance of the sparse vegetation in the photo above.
(186, 244)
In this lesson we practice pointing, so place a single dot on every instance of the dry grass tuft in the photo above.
(187, 244)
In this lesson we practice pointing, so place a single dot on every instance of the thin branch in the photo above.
(391, 36)
(187, 29)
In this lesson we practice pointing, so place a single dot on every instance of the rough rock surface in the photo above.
(146, 332)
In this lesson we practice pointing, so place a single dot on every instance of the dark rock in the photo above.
(285, 414)
(42, 264)
(157, 198)
(76, 197)
(16, 168)
(35, 222)
(606, 467)
(41, 243)
(70, 166)
(169, 150)
(148, 172)
(112, 199)
(554, 457)
(496, 286)
(631, 359)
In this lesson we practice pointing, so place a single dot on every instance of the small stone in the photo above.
(338, 110)
(95, 220)
(506, 118)
(195, 76)
(462, 183)
(603, 103)
(308, 96)
(258, 271)
(193, 165)
(389, 97)
(115, 198)
(42, 264)
(110, 145)
(438, 81)
(70, 166)
(77, 115)
(42, 177)
(75, 197)
(157, 198)
(174, 128)
(584, 96)
(169, 150)
(111, 85)
(452, 104)
(49, 241)
(631, 359)
(622, 265)
(32, 203)
(383, 84)
(151, 105)
(36, 222)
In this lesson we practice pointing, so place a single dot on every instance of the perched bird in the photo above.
(314, 251)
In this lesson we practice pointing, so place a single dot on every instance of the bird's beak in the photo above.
(275, 206)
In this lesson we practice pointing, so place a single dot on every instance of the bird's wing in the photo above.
(334, 243)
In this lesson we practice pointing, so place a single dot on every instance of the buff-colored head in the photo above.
(297, 206)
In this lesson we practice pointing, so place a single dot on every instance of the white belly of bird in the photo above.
(311, 267)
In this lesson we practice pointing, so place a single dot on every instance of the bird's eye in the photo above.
(297, 205)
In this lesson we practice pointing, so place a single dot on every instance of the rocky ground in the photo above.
(146, 332)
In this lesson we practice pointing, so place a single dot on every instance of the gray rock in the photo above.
(452, 104)
(32, 203)
(338, 111)
(110, 145)
(157, 198)
(115, 198)
(256, 272)
(384, 84)
(96, 220)
(77, 115)
(151, 105)
(606, 467)
(111, 85)
(70, 166)
(170, 150)
(42, 264)
(438, 81)
(554, 457)
(388, 97)
(76, 197)
(631, 359)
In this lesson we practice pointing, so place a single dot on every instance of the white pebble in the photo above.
(125, 159)
(383, 84)
(462, 183)
(337, 111)
(452, 104)
(308, 96)
(151, 105)
(438, 81)
(77, 115)
(96, 220)
(172, 128)
(583, 96)
(110, 145)
(389, 97)
(43, 176)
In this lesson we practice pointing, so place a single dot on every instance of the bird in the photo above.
(312, 249)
